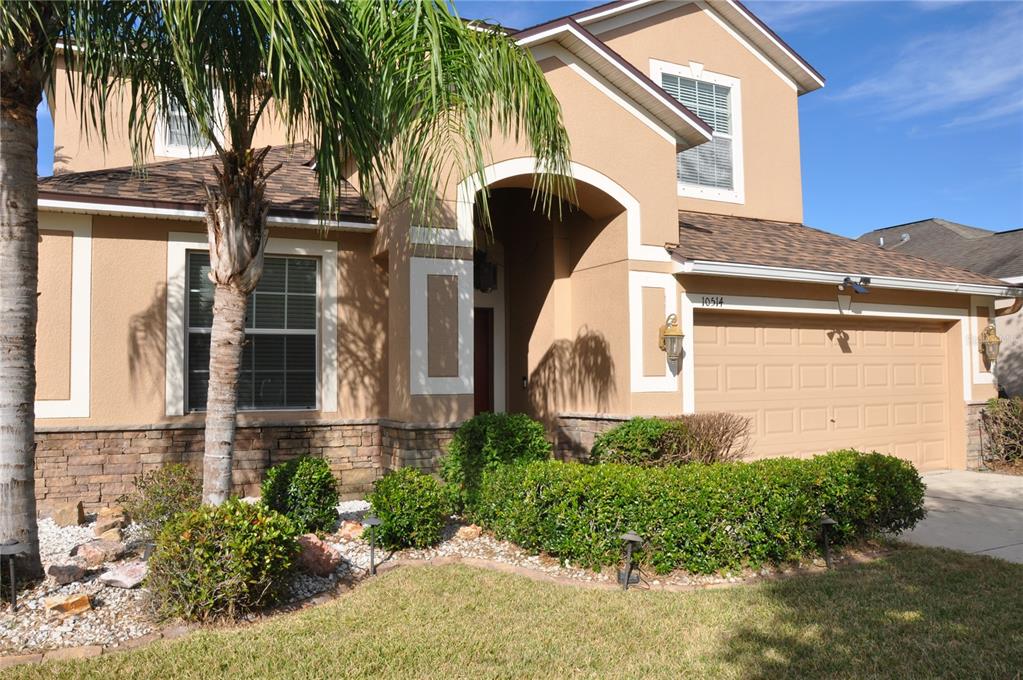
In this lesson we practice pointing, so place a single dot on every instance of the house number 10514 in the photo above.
(712, 301)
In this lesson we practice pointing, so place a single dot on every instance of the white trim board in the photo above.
(742, 303)
(178, 245)
(637, 282)
(528, 166)
(420, 380)
(756, 271)
(495, 300)
(77, 403)
(116, 209)
(980, 376)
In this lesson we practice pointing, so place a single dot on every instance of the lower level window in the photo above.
(278, 369)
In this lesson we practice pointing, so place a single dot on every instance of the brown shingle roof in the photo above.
(723, 238)
(293, 190)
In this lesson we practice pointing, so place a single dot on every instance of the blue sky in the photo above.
(922, 115)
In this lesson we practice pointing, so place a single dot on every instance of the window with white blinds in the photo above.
(710, 164)
(177, 131)
(278, 368)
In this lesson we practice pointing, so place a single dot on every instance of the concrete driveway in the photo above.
(976, 512)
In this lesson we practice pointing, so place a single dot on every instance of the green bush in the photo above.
(220, 561)
(161, 494)
(305, 490)
(488, 440)
(1003, 431)
(702, 518)
(697, 438)
(634, 442)
(412, 508)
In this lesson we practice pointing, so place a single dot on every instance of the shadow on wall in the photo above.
(573, 376)
(1009, 368)
(147, 338)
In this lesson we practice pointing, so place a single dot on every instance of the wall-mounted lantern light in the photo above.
(990, 343)
(670, 339)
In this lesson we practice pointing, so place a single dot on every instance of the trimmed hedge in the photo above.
(305, 490)
(221, 561)
(412, 507)
(659, 442)
(486, 441)
(702, 518)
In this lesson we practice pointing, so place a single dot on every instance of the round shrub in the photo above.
(634, 442)
(488, 440)
(412, 508)
(161, 494)
(220, 561)
(305, 490)
(702, 518)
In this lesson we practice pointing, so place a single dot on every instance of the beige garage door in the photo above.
(815, 384)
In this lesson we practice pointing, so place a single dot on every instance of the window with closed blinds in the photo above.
(278, 368)
(709, 164)
(178, 132)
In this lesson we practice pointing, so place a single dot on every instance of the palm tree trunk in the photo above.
(19, 259)
(236, 212)
(226, 342)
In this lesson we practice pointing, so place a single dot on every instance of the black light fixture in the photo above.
(826, 524)
(372, 522)
(10, 549)
(633, 541)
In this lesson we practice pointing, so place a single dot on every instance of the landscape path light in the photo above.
(826, 524)
(633, 542)
(372, 522)
(9, 549)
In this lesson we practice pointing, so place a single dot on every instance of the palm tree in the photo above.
(403, 92)
(32, 36)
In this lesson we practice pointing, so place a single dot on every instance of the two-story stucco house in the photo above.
(370, 342)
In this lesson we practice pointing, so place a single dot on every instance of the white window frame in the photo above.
(162, 148)
(178, 245)
(315, 333)
(694, 71)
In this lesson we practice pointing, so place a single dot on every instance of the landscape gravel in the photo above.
(117, 615)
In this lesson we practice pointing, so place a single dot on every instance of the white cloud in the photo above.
(973, 73)
(790, 15)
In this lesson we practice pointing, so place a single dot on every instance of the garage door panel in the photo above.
(811, 385)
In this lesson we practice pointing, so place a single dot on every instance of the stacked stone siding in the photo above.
(974, 436)
(97, 465)
(573, 433)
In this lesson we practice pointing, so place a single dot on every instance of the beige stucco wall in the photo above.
(770, 112)
(76, 149)
(129, 323)
(53, 327)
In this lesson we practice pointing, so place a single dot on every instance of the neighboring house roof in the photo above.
(688, 128)
(180, 185)
(998, 254)
(789, 246)
(737, 15)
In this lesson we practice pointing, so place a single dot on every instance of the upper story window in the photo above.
(174, 136)
(279, 360)
(712, 170)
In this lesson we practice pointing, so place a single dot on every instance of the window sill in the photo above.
(711, 194)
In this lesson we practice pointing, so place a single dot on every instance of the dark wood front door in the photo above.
(483, 359)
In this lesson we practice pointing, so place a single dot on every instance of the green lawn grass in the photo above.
(919, 613)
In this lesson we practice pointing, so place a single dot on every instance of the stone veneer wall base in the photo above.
(96, 465)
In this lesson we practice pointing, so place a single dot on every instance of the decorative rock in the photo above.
(350, 530)
(110, 518)
(317, 557)
(69, 514)
(70, 605)
(95, 553)
(468, 533)
(113, 535)
(127, 575)
(67, 572)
